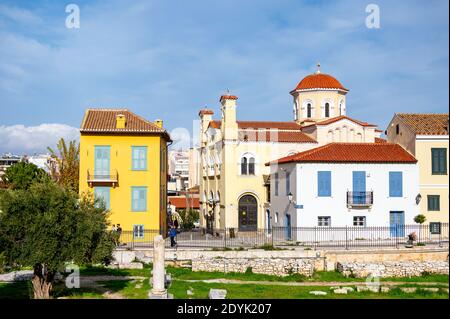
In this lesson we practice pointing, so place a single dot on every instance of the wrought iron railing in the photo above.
(111, 176)
(314, 237)
(360, 198)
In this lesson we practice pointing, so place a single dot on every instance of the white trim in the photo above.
(433, 185)
(424, 138)
(320, 89)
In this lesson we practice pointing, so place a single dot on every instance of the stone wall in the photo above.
(268, 266)
(392, 268)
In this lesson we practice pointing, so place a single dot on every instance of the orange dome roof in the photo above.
(319, 81)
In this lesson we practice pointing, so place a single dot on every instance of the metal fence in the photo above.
(436, 234)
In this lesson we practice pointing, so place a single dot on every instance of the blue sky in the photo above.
(168, 59)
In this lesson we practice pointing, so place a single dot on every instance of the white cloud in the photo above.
(21, 139)
(19, 15)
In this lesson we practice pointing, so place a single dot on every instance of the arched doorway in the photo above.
(248, 213)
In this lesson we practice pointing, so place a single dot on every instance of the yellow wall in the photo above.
(121, 160)
(432, 184)
(318, 98)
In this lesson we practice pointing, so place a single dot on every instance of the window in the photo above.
(139, 158)
(433, 202)
(288, 183)
(251, 166)
(276, 218)
(308, 110)
(324, 221)
(439, 161)
(435, 228)
(277, 182)
(395, 184)
(138, 231)
(327, 109)
(397, 129)
(102, 193)
(138, 199)
(324, 183)
(359, 221)
(247, 165)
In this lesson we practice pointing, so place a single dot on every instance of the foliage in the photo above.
(420, 219)
(47, 226)
(66, 171)
(21, 175)
(189, 217)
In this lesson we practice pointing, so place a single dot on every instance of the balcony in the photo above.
(103, 178)
(360, 199)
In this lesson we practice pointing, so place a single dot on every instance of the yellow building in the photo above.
(426, 137)
(123, 160)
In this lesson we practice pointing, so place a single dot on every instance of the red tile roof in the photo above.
(319, 81)
(426, 124)
(104, 121)
(260, 125)
(181, 202)
(275, 136)
(380, 140)
(259, 131)
(338, 118)
(206, 111)
(228, 97)
(352, 153)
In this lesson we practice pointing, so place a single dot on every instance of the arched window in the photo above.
(244, 166)
(341, 108)
(295, 111)
(330, 136)
(327, 109)
(308, 110)
(248, 164)
(251, 166)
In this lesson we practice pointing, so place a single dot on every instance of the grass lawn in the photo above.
(324, 276)
(247, 291)
(138, 289)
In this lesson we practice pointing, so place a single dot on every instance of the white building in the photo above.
(178, 171)
(344, 184)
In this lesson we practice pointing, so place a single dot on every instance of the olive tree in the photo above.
(47, 226)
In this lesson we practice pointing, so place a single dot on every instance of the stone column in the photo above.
(158, 278)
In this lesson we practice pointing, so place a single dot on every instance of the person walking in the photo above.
(172, 235)
(119, 233)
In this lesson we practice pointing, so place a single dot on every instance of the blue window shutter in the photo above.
(395, 184)
(324, 183)
(144, 199)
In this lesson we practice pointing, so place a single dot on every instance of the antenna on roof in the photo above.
(318, 68)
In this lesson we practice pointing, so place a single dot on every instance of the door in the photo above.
(288, 227)
(359, 187)
(101, 163)
(248, 213)
(397, 224)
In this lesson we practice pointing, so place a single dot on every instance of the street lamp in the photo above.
(290, 196)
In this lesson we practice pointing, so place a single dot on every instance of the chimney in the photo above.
(205, 117)
(229, 123)
(120, 121)
(159, 123)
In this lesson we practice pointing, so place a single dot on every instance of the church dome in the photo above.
(319, 81)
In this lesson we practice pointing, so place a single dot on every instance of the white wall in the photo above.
(377, 179)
